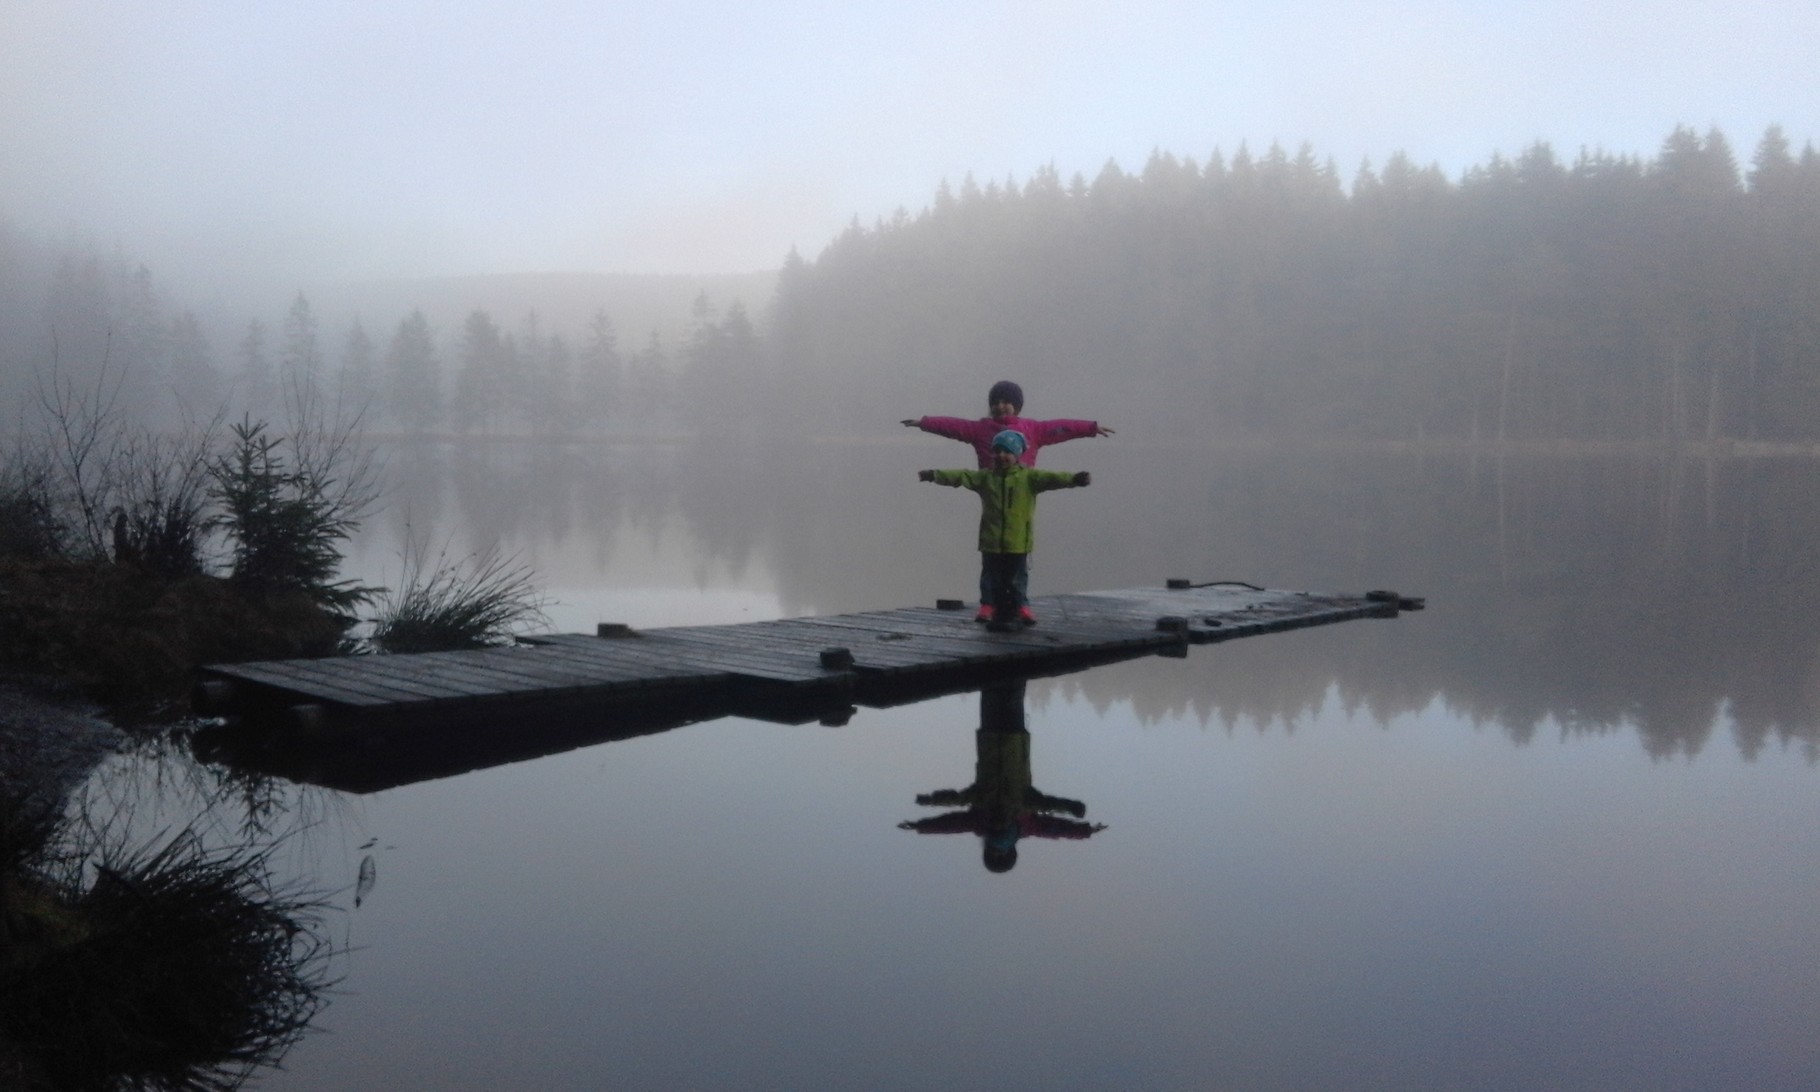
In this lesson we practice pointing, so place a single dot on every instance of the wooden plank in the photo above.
(868, 650)
(979, 647)
(324, 674)
(631, 652)
(904, 627)
(1047, 633)
(1278, 623)
(1054, 626)
(473, 683)
(505, 670)
(660, 657)
(354, 672)
(839, 631)
(618, 666)
(403, 673)
(896, 657)
(537, 668)
(778, 638)
(273, 675)
(469, 673)
(958, 649)
(685, 663)
(484, 684)
(761, 654)
(742, 654)
(520, 672)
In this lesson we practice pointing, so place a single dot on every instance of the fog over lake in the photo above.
(1553, 831)
(1513, 308)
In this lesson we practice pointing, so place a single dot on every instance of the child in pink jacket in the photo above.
(1005, 402)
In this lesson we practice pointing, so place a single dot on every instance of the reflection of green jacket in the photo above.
(1007, 503)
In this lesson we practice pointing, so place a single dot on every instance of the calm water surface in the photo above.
(1557, 831)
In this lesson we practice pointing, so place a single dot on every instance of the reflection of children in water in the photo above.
(1001, 805)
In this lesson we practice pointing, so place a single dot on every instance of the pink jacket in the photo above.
(980, 433)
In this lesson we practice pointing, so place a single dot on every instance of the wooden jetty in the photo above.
(790, 670)
(367, 723)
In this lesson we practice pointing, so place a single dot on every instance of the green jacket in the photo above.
(1007, 503)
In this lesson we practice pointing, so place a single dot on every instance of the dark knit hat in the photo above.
(1006, 391)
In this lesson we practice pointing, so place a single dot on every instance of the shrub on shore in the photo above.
(452, 605)
(130, 637)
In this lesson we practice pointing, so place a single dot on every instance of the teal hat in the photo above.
(1010, 440)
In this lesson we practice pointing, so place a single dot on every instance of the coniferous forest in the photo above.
(1603, 299)
(1538, 300)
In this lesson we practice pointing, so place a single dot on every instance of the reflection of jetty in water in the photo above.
(1002, 805)
(367, 723)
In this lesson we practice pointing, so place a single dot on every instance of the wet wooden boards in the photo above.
(789, 659)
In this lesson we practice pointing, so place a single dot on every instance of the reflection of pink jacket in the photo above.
(1029, 825)
(980, 433)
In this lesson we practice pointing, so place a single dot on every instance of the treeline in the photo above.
(1603, 299)
(1606, 299)
(70, 312)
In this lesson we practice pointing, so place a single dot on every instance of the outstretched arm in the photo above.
(1044, 480)
(951, 822)
(1055, 432)
(950, 477)
(1049, 826)
(955, 428)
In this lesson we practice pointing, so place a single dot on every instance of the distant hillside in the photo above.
(566, 303)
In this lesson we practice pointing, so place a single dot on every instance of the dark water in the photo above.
(1557, 831)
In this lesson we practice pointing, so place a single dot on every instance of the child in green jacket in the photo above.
(1007, 516)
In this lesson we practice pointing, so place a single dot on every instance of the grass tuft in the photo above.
(484, 600)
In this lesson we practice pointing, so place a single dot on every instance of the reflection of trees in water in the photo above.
(504, 492)
(483, 495)
(138, 957)
(415, 478)
(1589, 592)
(1595, 593)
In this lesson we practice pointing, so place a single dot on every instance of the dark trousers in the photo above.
(1023, 580)
(1006, 576)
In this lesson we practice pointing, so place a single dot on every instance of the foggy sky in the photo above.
(342, 138)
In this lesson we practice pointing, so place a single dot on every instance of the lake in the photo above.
(1556, 831)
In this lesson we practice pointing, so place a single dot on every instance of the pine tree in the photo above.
(413, 383)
